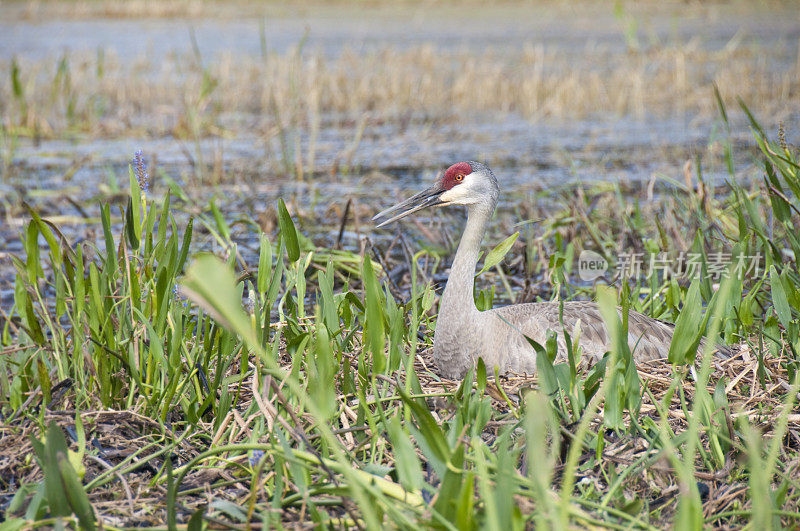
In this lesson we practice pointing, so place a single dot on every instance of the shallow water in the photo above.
(334, 28)
(67, 179)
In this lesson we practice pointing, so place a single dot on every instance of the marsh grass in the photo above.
(154, 386)
(277, 93)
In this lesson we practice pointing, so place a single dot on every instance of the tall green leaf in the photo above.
(65, 494)
(374, 333)
(264, 264)
(288, 232)
(687, 334)
(135, 205)
(779, 299)
(497, 254)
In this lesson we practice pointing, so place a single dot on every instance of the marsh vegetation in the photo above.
(213, 334)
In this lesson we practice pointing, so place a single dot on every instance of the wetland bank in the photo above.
(271, 136)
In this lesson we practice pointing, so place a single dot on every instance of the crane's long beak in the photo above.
(424, 199)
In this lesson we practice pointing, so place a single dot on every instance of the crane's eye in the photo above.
(459, 177)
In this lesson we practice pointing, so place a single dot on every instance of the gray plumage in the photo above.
(463, 334)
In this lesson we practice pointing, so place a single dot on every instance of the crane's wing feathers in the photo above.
(648, 338)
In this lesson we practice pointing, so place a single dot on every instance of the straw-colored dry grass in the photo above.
(133, 500)
(105, 97)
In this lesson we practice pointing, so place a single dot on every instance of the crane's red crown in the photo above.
(455, 174)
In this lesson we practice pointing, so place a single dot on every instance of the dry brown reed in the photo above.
(300, 88)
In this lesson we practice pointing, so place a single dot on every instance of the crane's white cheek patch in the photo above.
(460, 193)
(451, 196)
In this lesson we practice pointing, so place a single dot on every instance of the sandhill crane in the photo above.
(463, 333)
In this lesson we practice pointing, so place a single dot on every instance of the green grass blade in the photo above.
(288, 232)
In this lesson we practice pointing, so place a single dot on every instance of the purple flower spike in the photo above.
(256, 457)
(140, 169)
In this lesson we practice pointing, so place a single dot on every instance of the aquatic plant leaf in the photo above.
(288, 232)
(44, 379)
(374, 333)
(135, 206)
(480, 376)
(409, 469)
(46, 231)
(622, 382)
(187, 240)
(497, 254)
(687, 334)
(130, 226)
(34, 328)
(14, 524)
(465, 510)
(779, 299)
(33, 264)
(452, 479)
(264, 264)
(323, 372)
(429, 432)
(65, 494)
(75, 493)
(548, 381)
(196, 520)
(212, 285)
(219, 221)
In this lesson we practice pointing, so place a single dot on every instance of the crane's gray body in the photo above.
(464, 334)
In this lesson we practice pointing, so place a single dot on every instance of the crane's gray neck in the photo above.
(458, 294)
